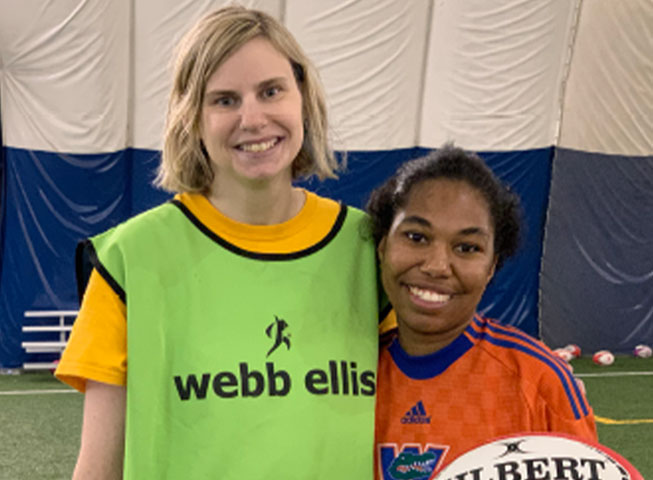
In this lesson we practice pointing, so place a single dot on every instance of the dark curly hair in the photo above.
(450, 163)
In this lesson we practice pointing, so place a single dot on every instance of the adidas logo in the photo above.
(417, 414)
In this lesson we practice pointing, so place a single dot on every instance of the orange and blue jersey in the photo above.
(492, 380)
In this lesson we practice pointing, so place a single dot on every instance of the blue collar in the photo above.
(428, 366)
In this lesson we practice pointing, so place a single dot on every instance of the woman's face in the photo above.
(437, 259)
(251, 118)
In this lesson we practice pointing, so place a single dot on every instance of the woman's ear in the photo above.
(380, 249)
(493, 268)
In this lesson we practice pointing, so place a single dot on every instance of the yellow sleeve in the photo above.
(388, 323)
(97, 347)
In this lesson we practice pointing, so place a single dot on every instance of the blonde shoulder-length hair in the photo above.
(185, 166)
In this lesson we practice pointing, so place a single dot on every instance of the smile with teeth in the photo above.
(428, 295)
(258, 147)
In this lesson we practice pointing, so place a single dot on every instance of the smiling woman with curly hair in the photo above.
(451, 379)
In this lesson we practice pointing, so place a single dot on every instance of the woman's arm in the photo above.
(103, 433)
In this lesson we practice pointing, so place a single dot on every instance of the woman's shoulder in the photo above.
(140, 226)
(515, 348)
(328, 202)
(540, 372)
(340, 212)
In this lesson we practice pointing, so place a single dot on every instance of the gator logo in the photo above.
(408, 466)
(412, 462)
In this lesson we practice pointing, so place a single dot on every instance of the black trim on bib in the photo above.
(83, 267)
(384, 311)
(85, 260)
(337, 225)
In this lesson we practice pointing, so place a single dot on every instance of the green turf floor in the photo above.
(40, 430)
(623, 405)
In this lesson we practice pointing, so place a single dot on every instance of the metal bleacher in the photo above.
(59, 330)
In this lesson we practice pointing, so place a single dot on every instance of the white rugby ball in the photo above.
(603, 357)
(539, 456)
(564, 354)
(574, 349)
(643, 351)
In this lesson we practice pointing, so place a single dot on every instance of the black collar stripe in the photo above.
(337, 225)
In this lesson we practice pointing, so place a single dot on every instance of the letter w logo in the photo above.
(412, 462)
(191, 386)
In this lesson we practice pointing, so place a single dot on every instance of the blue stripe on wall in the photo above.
(56, 200)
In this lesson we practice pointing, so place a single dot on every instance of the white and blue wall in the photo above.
(557, 96)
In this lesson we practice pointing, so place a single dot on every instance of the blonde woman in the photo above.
(232, 332)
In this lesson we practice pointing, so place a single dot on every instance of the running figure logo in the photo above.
(275, 330)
